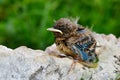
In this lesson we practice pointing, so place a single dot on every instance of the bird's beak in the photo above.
(55, 30)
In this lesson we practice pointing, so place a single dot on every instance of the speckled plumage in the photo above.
(75, 41)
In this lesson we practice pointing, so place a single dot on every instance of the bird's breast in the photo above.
(64, 48)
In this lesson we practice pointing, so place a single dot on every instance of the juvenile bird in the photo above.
(76, 41)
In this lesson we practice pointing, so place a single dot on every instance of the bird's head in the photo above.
(63, 28)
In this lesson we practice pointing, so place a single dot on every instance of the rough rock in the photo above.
(26, 64)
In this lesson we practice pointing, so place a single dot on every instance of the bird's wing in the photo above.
(86, 50)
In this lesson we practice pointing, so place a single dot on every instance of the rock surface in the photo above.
(26, 64)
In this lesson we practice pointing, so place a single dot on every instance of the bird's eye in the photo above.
(62, 27)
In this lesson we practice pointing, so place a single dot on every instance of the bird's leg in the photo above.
(66, 56)
(72, 65)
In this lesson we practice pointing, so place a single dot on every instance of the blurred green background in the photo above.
(24, 22)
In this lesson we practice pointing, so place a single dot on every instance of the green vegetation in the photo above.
(24, 22)
(118, 76)
(82, 79)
